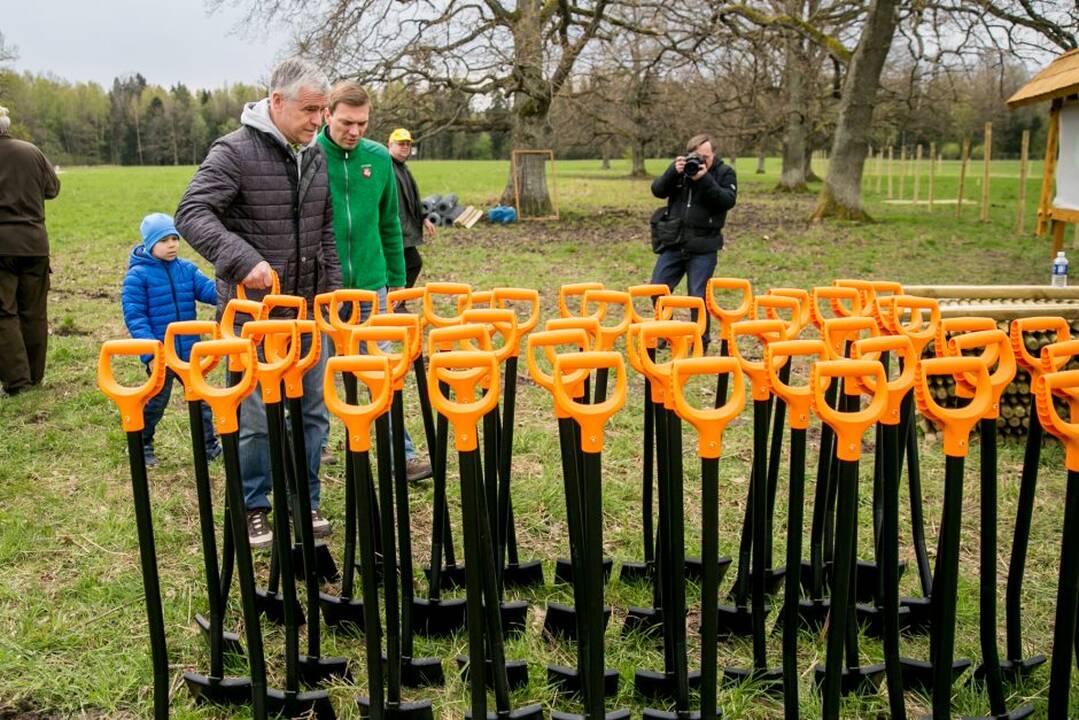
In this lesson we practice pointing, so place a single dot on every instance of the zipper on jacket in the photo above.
(348, 216)
(172, 288)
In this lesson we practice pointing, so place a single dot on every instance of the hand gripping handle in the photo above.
(871, 348)
(289, 302)
(463, 414)
(837, 332)
(373, 371)
(503, 296)
(572, 290)
(224, 401)
(294, 374)
(953, 326)
(683, 341)
(956, 422)
(279, 357)
(917, 328)
(275, 286)
(651, 292)
(370, 336)
(130, 400)
(1045, 323)
(726, 316)
(503, 322)
(799, 398)
(443, 289)
(549, 340)
(766, 331)
(773, 304)
(1066, 383)
(181, 367)
(411, 322)
(996, 350)
(603, 299)
(849, 426)
(592, 417)
(835, 296)
(710, 423)
(667, 304)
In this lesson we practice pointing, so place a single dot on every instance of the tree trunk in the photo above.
(842, 193)
(638, 160)
(807, 165)
(606, 164)
(793, 175)
(760, 158)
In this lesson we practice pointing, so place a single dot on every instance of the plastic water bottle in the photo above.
(1060, 270)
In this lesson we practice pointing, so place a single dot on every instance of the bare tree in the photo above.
(8, 52)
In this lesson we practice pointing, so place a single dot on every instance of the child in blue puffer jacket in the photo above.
(160, 288)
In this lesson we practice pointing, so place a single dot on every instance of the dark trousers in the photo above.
(155, 409)
(24, 322)
(413, 265)
(671, 265)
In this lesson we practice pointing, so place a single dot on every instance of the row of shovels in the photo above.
(870, 325)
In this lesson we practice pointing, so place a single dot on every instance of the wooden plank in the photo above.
(917, 171)
(1048, 171)
(891, 157)
(1011, 311)
(1021, 203)
(962, 176)
(987, 153)
(1011, 292)
(932, 172)
(902, 169)
(1058, 79)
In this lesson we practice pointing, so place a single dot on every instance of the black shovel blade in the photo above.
(918, 675)
(862, 680)
(342, 614)
(867, 576)
(646, 621)
(420, 710)
(919, 620)
(224, 691)
(735, 620)
(612, 715)
(324, 563)
(422, 672)
(522, 575)
(695, 568)
(768, 681)
(230, 641)
(661, 685)
(1014, 671)
(871, 618)
(567, 680)
(560, 621)
(773, 579)
(272, 605)
(316, 671)
(1019, 713)
(516, 672)
(310, 704)
(452, 577)
(563, 570)
(654, 714)
(437, 618)
(528, 712)
(514, 616)
(635, 571)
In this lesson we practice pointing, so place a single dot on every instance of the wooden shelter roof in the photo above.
(1058, 79)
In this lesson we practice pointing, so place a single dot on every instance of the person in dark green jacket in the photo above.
(365, 219)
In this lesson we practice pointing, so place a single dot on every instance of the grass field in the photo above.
(72, 625)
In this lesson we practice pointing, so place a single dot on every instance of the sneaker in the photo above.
(416, 470)
(259, 534)
(213, 452)
(149, 456)
(319, 524)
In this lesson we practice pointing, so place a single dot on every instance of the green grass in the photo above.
(72, 625)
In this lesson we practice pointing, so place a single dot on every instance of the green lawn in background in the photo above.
(72, 625)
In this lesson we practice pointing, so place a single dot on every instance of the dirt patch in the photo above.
(25, 711)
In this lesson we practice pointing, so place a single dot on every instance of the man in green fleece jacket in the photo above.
(365, 220)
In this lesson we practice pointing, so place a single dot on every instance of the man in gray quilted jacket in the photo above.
(260, 204)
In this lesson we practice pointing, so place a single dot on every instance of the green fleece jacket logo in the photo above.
(365, 220)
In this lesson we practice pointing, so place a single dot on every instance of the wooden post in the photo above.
(987, 152)
(902, 169)
(962, 176)
(932, 173)
(917, 171)
(880, 168)
(1049, 169)
(1022, 202)
(891, 157)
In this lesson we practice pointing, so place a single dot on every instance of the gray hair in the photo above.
(5, 121)
(294, 73)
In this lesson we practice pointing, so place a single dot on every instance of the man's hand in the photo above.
(700, 173)
(428, 227)
(260, 277)
(680, 164)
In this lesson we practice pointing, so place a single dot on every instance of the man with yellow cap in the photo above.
(414, 224)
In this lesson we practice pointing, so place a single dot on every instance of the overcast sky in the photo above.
(168, 41)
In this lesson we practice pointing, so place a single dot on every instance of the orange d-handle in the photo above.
(130, 400)
(767, 331)
(709, 422)
(287, 302)
(650, 291)
(603, 299)
(181, 367)
(369, 337)
(772, 304)
(569, 290)
(996, 349)
(403, 295)
(503, 322)
(799, 398)
(726, 316)
(667, 304)
(463, 414)
(849, 426)
(1045, 323)
(917, 328)
(278, 357)
(470, 336)
(837, 331)
(411, 322)
(503, 296)
(549, 340)
(802, 296)
(373, 371)
(224, 401)
(227, 325)
(294, 374)
(872, 348)
(952, 326)
(354, 297)
(275, 286)
(867, 291)
(1056, 355)
(445, 289)
(321, 311)
(592, 417)
(956, 422)
(476, 299)
(1066, 383)
(836, 296)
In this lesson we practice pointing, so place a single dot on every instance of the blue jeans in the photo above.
(365, 311)
(671, 265)
(255, 445)
(155, 409)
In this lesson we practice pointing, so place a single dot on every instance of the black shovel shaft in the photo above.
(778, 423)
(507, 533)
(909, 437)
(439, 511)
(404, 522)
(723, 379)
(987, 615)
(648, 472)
(945, 587)
(1024, 511)
(155, 619)
(759, 490)
(841, 585)
(888, 562)
(372, 632)
(661, 589)
(352, 491)
(710, 584)
(601, 384)
(208, 530)
(567, 438)
(592, 577)
(275, 420)
(792, 589)
(742, 588)
(389, 561)
(301, 494)
(245, 573)
(425, 403)
(490, 469)
(1067, 604)
(821, 498)
(674, 608)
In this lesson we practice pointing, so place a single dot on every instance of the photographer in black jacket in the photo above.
(687, 234)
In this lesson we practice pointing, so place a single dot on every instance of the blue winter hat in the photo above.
(156, 226)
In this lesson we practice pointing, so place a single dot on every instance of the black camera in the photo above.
(693, 164)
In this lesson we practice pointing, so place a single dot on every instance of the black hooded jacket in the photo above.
(702, 204)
